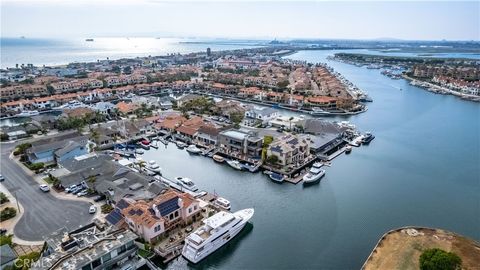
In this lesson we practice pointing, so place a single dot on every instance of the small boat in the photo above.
(276, 177)
(153, 166)
(192, 149)
(28, 113)
(367, 138)
(235, 164)
(146, 147)
(186, 183)
(267, 172)
(313, 176)
(145, 142)
(348, 149)
(139, 151)
(180, 145)
(218, 158)
(222, 203)
(89, 39)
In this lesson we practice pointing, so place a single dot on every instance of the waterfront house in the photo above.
(325, 135)
(150, 220)
(103, 107)
(290, 149)
(240, 142)
(262, 114)
(207, 135)
(113, 180)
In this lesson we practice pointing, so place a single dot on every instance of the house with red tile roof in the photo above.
(150, 220)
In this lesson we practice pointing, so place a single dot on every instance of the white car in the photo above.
(92, 209)
(44, 188)
(82, 193)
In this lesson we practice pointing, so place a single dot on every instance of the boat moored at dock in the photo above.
(222, 203)
(186, 183)
(216, 231)
(367, 138)
(276, 177)
(218, 158)
(313, 176)
(192, 149)
(235, 164)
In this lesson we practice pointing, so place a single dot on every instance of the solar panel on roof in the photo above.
(114, 217)
(168, 207)
(122, 204)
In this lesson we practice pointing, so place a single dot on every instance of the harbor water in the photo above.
(423, 169)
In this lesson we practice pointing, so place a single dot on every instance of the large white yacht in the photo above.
(214, 233)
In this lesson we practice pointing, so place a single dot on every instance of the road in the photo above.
(44, 213)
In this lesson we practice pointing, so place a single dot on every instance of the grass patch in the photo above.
(144, 253)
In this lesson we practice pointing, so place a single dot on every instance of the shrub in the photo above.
(36, 166)
(3, 198)
(7, 213)
(437, 259)
(6, 240)
(106, 208)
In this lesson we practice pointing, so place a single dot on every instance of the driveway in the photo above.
(44, 213)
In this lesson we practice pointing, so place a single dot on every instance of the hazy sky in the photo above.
(241, 19)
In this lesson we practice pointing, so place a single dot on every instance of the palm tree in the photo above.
(290, 121)
(91, 180)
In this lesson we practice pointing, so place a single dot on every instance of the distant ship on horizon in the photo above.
(89, 39)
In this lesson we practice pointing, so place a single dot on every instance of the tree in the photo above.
(273, 159)
(437, 259)
(267, 140)
(36, 166)
(237, 118)
(22, 148)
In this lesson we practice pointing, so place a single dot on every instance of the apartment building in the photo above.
(22, 91)
(76, 85)
(125, 79)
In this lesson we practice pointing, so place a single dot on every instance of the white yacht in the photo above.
(193, 149)
(214, 233)
(314, 174)
(28, 113)
(186, 183)
(235, 164)
(222, 203)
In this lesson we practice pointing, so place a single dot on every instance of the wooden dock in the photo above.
(295, 180)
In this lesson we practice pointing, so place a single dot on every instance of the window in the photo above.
(107, 257)
(87, 267)
(121, 250)
(96, 263)
(176, 214)
(194, 207)
(189, 210)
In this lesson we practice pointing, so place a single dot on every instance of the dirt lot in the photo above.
(401, 249)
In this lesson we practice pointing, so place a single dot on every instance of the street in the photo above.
(44, 213)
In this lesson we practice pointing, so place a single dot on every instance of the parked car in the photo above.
(2, 178)
(3, 231)
(82, 193)
(70, 188)
(77, 190)
(44, 188)
(92, 209)
(99, 198)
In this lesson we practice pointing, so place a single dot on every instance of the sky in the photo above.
(409, 20)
